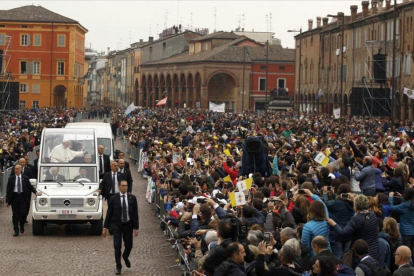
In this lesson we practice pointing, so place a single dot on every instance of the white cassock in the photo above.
(60, 154)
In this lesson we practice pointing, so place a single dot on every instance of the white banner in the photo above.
(217, 107)
(337, 113)
(130, 108)
(409, 93)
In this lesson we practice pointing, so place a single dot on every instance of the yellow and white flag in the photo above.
(314, 141)
(244, 184)
(237, 199)
(322, 159)
(227, 152)
(227, 179)
(327, 151)
(207, 163)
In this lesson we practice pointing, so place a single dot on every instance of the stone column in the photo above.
(410, 110)
(195, 99)
(204, 97)
(180, 96)
(187, 96)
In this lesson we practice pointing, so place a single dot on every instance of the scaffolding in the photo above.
(5, 73)
(376, 97)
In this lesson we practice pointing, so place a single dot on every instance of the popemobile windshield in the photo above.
(68, 179)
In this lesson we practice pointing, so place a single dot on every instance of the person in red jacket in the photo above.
(230, 170)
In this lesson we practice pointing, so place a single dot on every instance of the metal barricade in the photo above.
(32, 155)
(4, 177)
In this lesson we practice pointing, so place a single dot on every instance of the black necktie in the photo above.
(19, 186)
(113, 183)
(124, 209)
(100, 165)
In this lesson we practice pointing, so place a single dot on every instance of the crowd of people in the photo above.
(320, 196)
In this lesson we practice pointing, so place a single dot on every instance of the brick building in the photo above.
(45, 55)
(215, 68)
(365, 35)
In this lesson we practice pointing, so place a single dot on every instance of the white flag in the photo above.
(409, 93)
(337, 113)
(130, 108)
(217, 107)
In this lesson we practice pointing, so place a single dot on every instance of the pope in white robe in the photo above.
(63, 154)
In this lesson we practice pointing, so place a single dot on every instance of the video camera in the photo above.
(240, 230)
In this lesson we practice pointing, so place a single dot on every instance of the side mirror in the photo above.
(33, 181)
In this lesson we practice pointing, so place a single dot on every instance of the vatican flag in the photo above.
(227, 152)
(227, 179)
(207, 163)
(244, 185)
(322, 159)
(327, 151)
(237, 199)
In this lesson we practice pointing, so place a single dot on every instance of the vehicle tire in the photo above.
(97, 227)
(37, 227)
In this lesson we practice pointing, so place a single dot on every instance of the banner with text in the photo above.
(217, 107)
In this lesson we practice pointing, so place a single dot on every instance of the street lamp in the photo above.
(300, 64)
(342, 16)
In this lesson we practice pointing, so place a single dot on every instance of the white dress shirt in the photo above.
(21, 183)
(126, 202)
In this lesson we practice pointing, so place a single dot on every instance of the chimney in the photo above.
(318, 21)
(365, 11)
(387, 5)
(380, 5)
(374, 6)
(339, 18)
(310, 24)
(141, 40)
(151, 39)
(109, 49)
(325, 22)
(354, 11)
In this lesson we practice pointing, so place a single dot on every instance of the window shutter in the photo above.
(28, 40)
(29, 68)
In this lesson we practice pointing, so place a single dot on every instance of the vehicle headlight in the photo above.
(42, 201)
(91, 201)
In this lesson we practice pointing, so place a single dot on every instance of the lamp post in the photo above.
(342, 16)
(300, 64)
(267, 71)
(393, 67)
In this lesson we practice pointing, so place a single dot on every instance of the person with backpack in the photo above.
(367, 265)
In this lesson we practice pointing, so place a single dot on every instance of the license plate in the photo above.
(66, 212)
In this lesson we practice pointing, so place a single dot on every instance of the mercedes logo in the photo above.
(66, 202)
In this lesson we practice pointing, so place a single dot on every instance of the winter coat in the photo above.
(362, 226)
(406, 211)
(366, 176)
(230, 268)
(393, 185)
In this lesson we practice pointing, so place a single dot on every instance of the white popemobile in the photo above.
(68, 180)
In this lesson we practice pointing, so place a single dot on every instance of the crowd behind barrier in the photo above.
(267, 185)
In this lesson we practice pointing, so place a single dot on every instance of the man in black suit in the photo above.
(25, 169)
(402, 258)
(104, 162)
(54, 175)
(83, 173)
(122, 219)
(122, 169)
(121, 155)
(110, 181)
(320, 247)
(31, 167)
(18, 192)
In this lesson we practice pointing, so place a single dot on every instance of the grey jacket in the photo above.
(405, 270)
(366, 176)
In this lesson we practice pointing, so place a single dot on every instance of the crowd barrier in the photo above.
(186, 262)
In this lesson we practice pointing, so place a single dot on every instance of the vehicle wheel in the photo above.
(97, 227)
(38, 227)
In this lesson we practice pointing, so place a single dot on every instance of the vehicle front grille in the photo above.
(60, 203)
(66, 216)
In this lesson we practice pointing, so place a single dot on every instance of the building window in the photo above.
(281, 83)
(206, 46)
(282, 68)
(262, 67)
(36, 68)
(35, 104)
(24, 88)
(164, 46)
(262, 84)
(36, 88)
(22, 104)
(2, 39)
(37, 40)
(24, 26)
(2, 26)
(23, 67)
(61, 40)
(25, 40)
(61, 68)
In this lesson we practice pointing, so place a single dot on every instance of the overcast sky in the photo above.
(116, 24)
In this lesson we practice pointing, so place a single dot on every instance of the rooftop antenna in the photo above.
(270, 22)
(267, 22)
(215, 19)
(243, 20)
(178, 10)
(166, 19)
(191, 21)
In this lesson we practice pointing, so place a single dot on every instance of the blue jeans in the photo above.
(340, 247)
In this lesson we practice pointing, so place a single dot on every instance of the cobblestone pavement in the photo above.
(72, 251)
